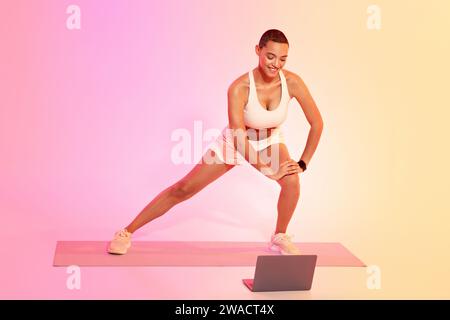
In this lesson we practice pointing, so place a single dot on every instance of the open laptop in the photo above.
(282, 273)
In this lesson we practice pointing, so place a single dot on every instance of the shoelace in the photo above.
(122, 234)
(286, 237)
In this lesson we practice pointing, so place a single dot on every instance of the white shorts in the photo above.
(223, 146)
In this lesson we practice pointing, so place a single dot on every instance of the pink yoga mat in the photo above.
(187, 253)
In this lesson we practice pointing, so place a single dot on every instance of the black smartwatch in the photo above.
(302, 164)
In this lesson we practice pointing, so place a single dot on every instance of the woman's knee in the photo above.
(182, 190)
(291, 181)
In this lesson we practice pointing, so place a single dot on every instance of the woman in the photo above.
(257, 106)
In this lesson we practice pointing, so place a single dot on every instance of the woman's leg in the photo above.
(290, 187)
(198, 178)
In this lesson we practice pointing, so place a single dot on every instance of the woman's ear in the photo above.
(257, 50)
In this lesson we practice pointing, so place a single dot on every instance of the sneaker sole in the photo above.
(276, 248)
(119, 252)
(116, 252)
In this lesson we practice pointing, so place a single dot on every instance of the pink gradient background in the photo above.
(86, 118)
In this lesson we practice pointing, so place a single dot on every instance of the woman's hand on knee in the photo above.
(287, 167)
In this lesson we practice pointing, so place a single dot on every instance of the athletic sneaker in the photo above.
(120, 243)
(281, 242)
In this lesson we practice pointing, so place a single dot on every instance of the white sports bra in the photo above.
(258, 117)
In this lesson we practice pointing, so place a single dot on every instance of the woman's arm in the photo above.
(309, 107)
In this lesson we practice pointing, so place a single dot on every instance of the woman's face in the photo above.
(272, 57)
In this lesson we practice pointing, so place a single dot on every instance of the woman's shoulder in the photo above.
(289, 75)
(240, 85)
(242, 80)
(292, 81)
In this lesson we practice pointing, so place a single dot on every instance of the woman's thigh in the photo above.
(203, 173)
